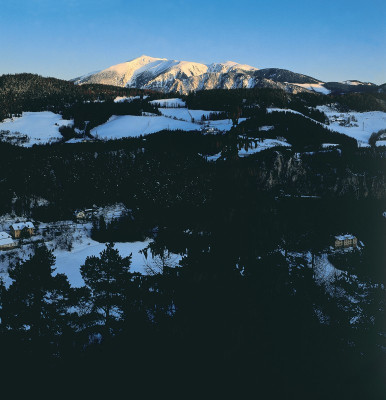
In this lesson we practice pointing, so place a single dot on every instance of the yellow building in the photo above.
(345, 241)
(17, 229)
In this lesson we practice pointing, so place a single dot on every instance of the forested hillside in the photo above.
(235, 280)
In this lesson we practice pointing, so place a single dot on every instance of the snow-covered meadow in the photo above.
(122, 126)
(360, 127)
(71, 244)
(40, 127)
(366, 123)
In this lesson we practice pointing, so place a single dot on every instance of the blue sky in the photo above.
(330, 40)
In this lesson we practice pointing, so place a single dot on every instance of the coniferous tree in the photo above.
(36, 303)
(106, 277)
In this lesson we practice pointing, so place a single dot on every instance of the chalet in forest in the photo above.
(22, 228)
(345, 241)
(88, 213)
(6, 242)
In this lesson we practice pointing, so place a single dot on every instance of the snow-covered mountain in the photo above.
(183, 76)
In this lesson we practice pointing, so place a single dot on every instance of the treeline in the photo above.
(233, 311)
(167, 168)
(30, 92)
(300, 132)
(98, 113)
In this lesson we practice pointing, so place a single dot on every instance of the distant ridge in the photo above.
(165, 75)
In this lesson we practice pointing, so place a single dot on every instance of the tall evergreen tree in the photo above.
(107, 276)
(36, 303)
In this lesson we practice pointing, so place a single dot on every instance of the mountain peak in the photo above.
(146, 72)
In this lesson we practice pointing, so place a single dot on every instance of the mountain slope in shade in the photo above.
(166, 76)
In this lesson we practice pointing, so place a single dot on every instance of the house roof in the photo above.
(6, 242)
(345, 237)
(21, 225)
(4, 235)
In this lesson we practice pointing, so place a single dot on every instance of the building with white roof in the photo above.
(26, 227)
(346, 240)
(6, 242)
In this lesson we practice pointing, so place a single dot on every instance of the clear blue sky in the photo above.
(330, 40)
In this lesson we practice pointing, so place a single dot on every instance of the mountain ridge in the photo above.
(166, 75)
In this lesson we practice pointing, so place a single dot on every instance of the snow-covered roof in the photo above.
(4, 235)
(345, 237)
(21, 225)
(6, 242)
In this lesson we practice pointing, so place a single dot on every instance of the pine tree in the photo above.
(107, 276)
(36, 303)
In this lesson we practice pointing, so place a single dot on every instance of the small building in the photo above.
(88, 213)
(209, 129)
(79, 215)
(6, 242)
(345, 241)
(22, 228)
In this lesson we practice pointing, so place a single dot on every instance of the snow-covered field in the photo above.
(362, 124)
(167, 103)
(128, 99)
(316, 87)
(258, 146)
(68, 261)
(264, 145)
(368, 123)
(132, 126)
(41, 127)
(184, 113)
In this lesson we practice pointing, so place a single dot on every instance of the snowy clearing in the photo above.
(132, 126)
(76, 234)
(359, 126)
(315, 87)
(184, 113)
(40, 127)
(367, 123)
(69, 262)
(264, 145)
(169, 103)
(122, 99)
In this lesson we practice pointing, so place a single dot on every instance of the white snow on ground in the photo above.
(316, 87)
(121, 99)
(129, 99)
(82, 246)
(264, 145)
(285, 110)
(184, 113)
(215, 157)
(167, 103)
(325, 272)
(132, 126)
(329, 145)
(366, 122)
(266, 128)
(222, 124)
(356, 83)
(69, 263)
(41, 127)
(260, 146)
